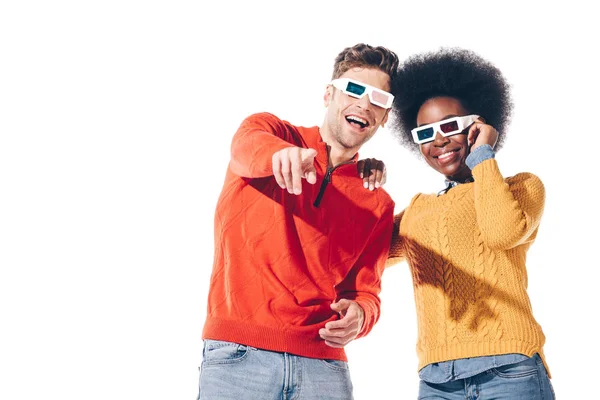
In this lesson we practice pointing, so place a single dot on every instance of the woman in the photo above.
(466, 245)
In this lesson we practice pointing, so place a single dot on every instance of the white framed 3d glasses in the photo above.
(447, 127)
(359, 89)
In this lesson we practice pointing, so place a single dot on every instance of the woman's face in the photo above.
(446, 155)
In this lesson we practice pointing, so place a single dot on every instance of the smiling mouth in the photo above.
(446, 155)
(357, 121)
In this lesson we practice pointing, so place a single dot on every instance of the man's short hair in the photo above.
(365, 56)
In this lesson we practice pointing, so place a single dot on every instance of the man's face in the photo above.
(350, 121)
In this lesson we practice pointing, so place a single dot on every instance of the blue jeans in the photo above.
(526, 380)
(235, 371)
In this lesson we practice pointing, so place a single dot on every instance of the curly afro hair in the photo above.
(453, 72)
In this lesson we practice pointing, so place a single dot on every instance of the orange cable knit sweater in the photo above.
(466, 250)
(280, 260)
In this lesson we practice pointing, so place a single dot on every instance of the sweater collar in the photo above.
(450, 184)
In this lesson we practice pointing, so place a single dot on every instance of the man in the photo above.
(300, 246)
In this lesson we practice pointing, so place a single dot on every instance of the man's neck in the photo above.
(339, 155)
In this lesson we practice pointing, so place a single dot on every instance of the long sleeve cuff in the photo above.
(479, 155)
(371, 315)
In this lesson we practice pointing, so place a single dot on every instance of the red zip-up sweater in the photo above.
(282, 259)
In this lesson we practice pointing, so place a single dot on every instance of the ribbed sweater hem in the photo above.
(302, 341)
(480, 349)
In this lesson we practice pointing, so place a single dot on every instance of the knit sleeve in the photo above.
(363, 282)
(396, 253)
(256, 140)
(508, 210)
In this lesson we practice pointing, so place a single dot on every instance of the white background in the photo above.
(115, 123)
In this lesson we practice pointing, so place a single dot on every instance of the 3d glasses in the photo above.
(358, 90)
(447, 127)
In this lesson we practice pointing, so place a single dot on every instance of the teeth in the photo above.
(357, 119)
(446, 155)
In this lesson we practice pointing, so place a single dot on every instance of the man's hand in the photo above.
(341, 332)
(373, 173)
(292, 164)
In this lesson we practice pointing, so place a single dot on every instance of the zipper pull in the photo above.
(326, 181)
(327, 177)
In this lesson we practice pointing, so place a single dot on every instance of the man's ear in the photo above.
(385, 118)
(327, 97)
